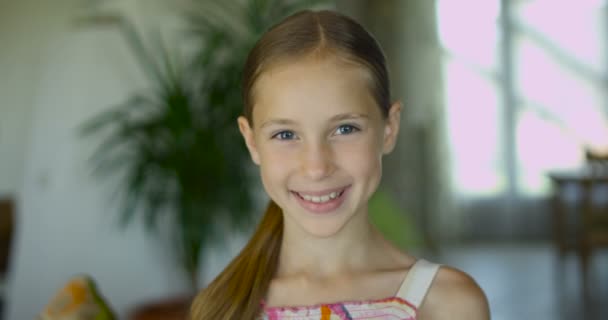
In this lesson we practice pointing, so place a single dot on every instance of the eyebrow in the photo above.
(338, 117)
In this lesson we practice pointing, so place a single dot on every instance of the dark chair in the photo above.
(587, 231)
(594, 224)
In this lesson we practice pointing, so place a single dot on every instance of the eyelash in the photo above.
(351, 127)
(278, 135)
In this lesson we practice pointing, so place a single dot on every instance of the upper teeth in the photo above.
(320, 199)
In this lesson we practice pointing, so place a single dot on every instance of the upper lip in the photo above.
(322, 192)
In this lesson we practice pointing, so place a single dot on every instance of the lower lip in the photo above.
(325, 207)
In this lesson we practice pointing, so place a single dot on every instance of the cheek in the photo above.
(275, 164)
(363, 158)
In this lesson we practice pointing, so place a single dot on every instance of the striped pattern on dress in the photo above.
(394, 308)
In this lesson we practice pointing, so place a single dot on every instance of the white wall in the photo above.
(53, 77)
(19, 65)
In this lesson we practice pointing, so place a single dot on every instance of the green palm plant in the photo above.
(177, 145)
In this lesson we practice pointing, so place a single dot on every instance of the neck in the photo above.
(350, 250)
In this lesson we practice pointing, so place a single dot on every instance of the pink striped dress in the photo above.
(403, 306)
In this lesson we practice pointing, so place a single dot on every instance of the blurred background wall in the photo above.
(496, 93)
(53, 77)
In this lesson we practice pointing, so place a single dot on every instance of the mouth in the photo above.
(322, 201)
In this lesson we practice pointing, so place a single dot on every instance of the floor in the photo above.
(530, 282)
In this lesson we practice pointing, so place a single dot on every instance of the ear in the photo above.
(391, 128)
(247, 133)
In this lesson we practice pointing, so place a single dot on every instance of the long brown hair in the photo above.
(238, 291)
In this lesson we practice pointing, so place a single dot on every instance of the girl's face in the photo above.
(318, 137)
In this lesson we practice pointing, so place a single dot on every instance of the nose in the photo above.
(317, 161)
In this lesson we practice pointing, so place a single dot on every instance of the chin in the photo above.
(323, 227)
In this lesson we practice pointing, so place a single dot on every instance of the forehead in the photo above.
(319, 86)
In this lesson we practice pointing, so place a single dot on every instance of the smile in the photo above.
(321, 199)
(321, 202)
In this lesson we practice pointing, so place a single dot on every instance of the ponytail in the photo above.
(237, 292)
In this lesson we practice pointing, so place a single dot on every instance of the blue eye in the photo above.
(284, 135)
(346, 129)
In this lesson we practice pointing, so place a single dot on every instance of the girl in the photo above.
(317, 122)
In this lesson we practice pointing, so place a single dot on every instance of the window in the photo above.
(525, 91)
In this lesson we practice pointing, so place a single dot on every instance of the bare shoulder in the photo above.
(454, 295)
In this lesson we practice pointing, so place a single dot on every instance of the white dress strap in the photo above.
(417, 282)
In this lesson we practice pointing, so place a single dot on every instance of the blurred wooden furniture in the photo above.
(7, 213)
(7, 218)
(588, 230)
